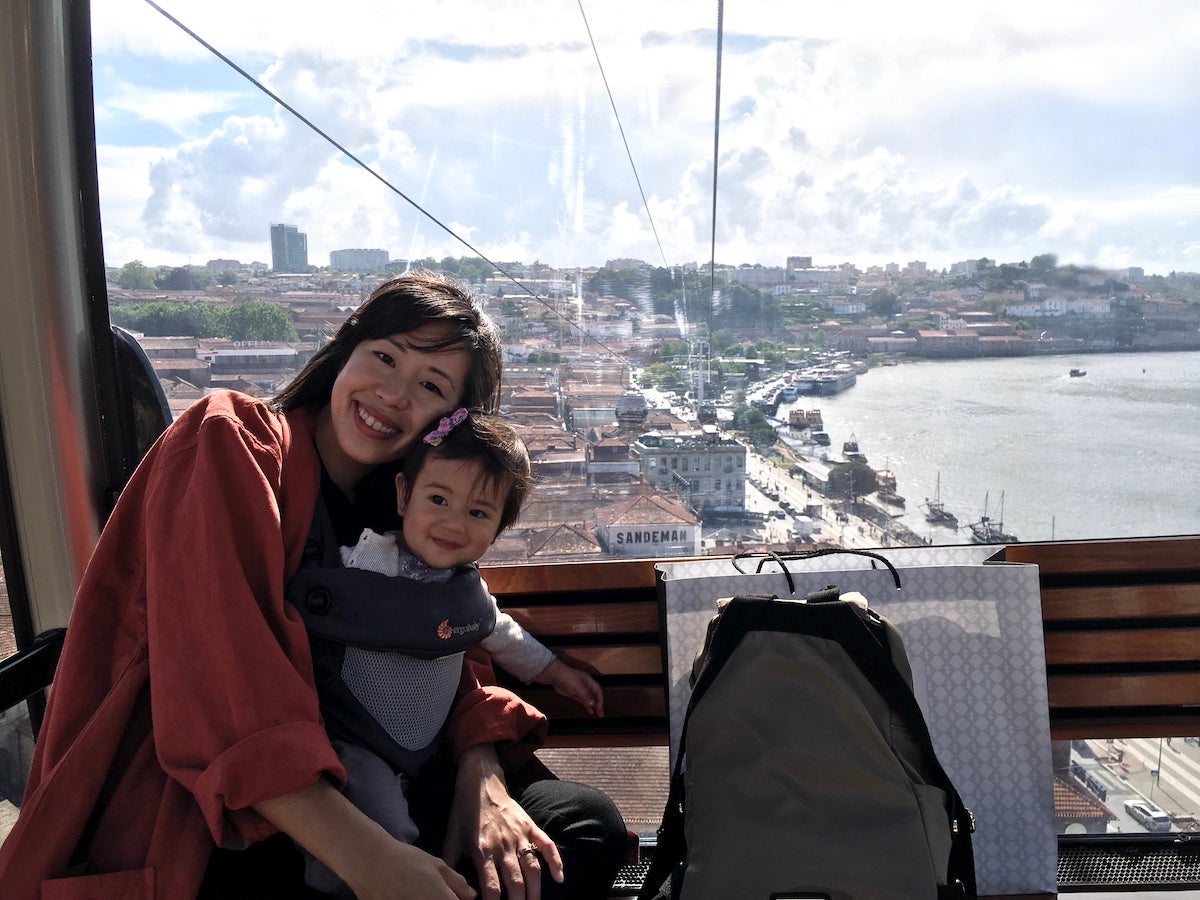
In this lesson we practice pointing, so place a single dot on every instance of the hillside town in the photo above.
(643, 407)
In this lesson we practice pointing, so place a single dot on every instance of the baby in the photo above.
(459, 488)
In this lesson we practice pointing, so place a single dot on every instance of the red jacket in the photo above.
(185, 694)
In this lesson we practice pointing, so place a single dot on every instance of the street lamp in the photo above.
(1158, 769)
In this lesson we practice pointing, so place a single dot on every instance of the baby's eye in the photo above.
(480, 514)
(437, 500)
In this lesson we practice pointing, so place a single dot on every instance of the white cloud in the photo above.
(865, 131)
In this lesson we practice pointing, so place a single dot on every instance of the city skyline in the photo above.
(865, 134)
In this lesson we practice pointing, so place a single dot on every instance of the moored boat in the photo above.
(935, 512)
(986, 531)
(850, 451)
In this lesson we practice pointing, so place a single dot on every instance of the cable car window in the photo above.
(944, 297)
(929, 273)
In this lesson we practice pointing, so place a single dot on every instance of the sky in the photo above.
(573, 132)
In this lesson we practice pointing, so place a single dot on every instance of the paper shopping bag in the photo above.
(973, 633)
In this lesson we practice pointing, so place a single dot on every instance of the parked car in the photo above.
(1148, 815)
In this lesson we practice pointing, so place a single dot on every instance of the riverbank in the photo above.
(1069, 458)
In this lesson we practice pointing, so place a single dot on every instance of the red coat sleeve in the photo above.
(485, 713)
(234, 707)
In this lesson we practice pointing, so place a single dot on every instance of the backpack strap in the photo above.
(862, 646)
(662, 879)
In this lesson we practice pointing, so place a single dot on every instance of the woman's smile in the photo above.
(374, 424)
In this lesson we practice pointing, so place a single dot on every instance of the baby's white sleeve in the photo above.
(515, 649)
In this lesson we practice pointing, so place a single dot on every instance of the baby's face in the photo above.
(453, 513)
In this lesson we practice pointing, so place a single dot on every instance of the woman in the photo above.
(184, 716)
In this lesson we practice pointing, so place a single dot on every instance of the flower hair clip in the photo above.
(445, 426)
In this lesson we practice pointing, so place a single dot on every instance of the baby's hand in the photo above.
(576, 684)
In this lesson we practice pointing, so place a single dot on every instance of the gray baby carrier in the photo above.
(387, 668)
(805, 767)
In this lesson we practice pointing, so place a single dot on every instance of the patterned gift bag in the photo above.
(973, 633)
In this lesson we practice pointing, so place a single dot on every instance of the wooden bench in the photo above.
(1121, 621)
(1121, 624)
(604, 616)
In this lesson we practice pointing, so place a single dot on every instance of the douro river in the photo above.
(1114, 452)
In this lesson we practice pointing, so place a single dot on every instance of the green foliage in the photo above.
(466, 268)
(722, 340)
(852, 479)
(543, 357)
(627, 284)
(662, 376)
(134, 276)
(669, 349)
(739, 308)
(254, 320)
(751, 422)
(882, 302)
(1042, 264)
(186, 279)
(258, 320)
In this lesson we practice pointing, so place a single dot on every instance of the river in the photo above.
(1115, 453)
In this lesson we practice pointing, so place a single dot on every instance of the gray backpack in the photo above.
(805, 767)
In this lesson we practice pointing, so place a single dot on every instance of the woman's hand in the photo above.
(491, 828)
(373, 864)
(402, 872)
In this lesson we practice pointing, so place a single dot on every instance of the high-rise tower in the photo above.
(289, 249)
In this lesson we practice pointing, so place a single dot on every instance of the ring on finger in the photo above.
(522, 852)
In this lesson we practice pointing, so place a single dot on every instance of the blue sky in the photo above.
(860, 131)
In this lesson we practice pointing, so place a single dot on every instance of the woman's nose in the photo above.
(395, 392)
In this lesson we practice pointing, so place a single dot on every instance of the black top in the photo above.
(374, 506)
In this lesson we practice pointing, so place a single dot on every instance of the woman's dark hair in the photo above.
(398, 306)
(493, 444)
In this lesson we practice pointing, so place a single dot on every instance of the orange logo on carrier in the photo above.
(446, 631)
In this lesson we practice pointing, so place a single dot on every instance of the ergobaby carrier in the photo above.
(387, 670)
(805, 767)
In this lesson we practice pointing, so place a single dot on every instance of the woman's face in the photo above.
(388, 392)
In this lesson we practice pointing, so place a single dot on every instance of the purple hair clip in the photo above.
(446, 425)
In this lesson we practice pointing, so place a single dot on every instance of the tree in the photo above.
(185, 278)
(852, 479)
(882, 302)
(1043, 263)
(134, 276)
(661, 376)
(258, 320)
(751, 422)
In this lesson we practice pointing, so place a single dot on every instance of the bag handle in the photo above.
(779, 560)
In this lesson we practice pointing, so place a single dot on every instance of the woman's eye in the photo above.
(430, 386)
(385, 358)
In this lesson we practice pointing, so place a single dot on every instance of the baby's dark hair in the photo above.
(492, 443)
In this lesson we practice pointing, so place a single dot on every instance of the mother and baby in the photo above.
(273, 684)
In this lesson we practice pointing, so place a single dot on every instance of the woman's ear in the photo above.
(401, 494)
